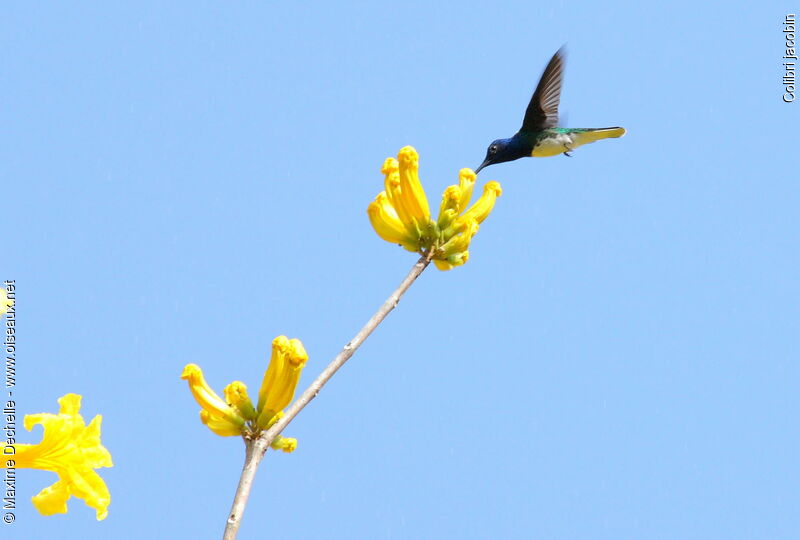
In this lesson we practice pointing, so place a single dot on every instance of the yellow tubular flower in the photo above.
(287, 445)
(399, 202)
(449, 208)
(412, 191)
(384, 220)
(480, 210)
(216, 407)
(281, 378)
(279, 347)
(221, 427)
(72, 450)
(236, 395)
(466, 181)
(465, 229)
(235, 415)
(451, 262)
(458, 259)
(391, 186)
(401, 214)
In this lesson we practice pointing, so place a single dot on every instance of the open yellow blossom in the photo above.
(72, 450)
(400, 213)
(235, 414)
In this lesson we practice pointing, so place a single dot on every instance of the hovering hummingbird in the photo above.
(539, 136)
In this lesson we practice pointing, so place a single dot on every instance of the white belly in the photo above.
(552, 146)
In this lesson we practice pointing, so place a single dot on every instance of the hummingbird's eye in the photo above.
(493, 149)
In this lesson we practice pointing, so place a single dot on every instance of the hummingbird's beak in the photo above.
(482, 165)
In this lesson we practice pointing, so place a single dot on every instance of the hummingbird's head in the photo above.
(499, 151)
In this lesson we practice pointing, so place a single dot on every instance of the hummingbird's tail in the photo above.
(589, 135)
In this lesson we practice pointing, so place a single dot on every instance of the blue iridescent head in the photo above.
(503, 150)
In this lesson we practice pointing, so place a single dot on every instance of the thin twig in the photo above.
(255, 449)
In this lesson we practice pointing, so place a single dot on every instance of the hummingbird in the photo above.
(539, 135)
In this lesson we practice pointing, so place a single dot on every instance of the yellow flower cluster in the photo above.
(400, 214)
(235, 414)
(72, 450)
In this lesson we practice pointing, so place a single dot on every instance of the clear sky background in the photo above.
(618, 359)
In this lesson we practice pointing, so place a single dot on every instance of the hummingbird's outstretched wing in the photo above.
(542, 111)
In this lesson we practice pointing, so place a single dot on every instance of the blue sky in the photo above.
(618, 359)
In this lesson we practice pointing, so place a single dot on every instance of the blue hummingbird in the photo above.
(539, 135)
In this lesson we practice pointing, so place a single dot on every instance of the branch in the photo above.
(255, 449)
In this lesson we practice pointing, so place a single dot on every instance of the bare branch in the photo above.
(255, 449)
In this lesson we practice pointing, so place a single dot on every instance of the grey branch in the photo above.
(255, 449)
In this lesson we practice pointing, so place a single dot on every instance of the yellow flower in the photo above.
(400, 214)
(217, 414)
(72, 450)
(5, 302)
(236, 395)
(235, 415)
(281, 378)
(284, 444)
